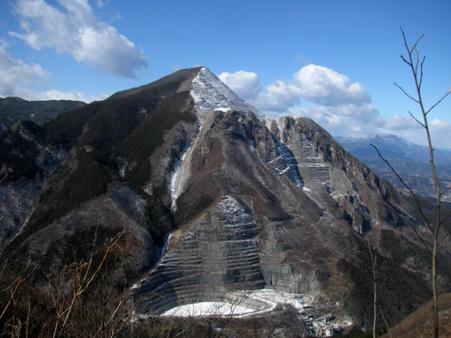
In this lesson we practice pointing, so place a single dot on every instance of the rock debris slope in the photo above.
(217, 199)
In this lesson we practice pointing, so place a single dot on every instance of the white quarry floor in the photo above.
(242, 304)
(222, 309)
(254, 303)
(239, 305)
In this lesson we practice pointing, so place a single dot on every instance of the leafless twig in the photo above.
(412, 59)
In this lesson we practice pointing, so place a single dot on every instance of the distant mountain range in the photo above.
(409, 159)
(13, 109)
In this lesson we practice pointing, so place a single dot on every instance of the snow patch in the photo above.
(164, 250)
(203, 309)
(223, 109)
(174, 185)
(210, 94)
(242, 304)
(287, 164)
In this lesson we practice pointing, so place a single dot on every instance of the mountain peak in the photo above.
(210, 94)
(207, 90)
(389, 138)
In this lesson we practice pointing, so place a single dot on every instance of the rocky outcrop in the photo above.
(26, 160)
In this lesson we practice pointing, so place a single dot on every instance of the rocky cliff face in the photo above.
(217, 199)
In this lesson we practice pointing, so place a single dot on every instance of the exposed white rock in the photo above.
(223, 109)
(164, 250)
(232, 212)
(229, 206)
(176, 178)
(122, 164)
(242, 304)
(210, 94)
(203, 309)
(269, 123)
(287, 164)
(182, 170)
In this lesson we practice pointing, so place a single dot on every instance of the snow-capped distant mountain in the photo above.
(394, 148)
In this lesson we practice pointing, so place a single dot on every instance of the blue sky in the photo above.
(128, 43)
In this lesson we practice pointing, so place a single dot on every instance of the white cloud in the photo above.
(54, 94)
(277, 97)
(18, 78)
(440, 124)
(101, 3)
(244, 84)
(341, 106)
(325, 86)
(72, 28)
(345, 120)
(441, 131)
(365, 120)
(397, 122)
(410, 130)
(315, 84)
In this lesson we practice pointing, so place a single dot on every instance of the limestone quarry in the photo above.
(227, 214)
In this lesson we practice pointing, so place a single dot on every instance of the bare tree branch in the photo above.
(412, 60)
(14, 288)
(406, 44)
(373, 258)
(421, 71)
(412, 193)
(415, 118)
(406, 93)
(444, 240)
(438, 102)
(386, 323)
(84, 276)
(414, 227)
